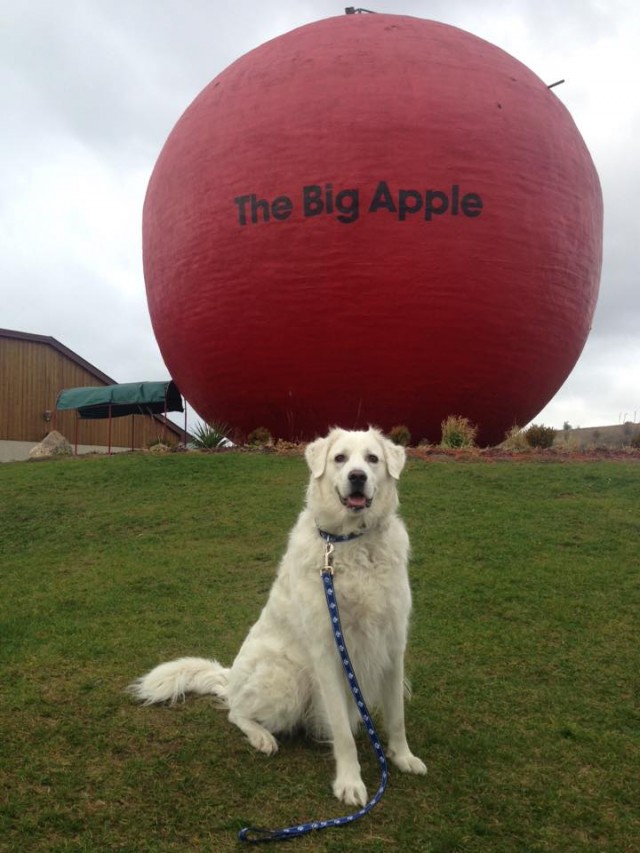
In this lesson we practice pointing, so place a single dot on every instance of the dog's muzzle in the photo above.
(356, 499)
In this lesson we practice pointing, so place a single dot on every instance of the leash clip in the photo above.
(329, 548)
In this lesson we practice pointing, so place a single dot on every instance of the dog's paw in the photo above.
(408, 763)
(350, 791)
(263, 741)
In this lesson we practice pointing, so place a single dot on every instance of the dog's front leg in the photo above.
(393, 707)
(348, 785)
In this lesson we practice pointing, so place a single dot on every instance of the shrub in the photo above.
(160, 445)
(400, 435)
(260, 437)
(458, 432)
(516, 441)
(540, 436)
(208, 435)
(570, 444)
(284, 446)
(635, 441)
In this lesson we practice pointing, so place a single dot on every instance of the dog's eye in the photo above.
(372, 458)
(340, 458)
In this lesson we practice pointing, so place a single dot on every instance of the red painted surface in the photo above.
(464, 284)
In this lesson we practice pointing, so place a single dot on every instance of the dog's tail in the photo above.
(169, 682)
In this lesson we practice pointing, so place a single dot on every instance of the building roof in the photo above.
(61, 348)
(81, 362)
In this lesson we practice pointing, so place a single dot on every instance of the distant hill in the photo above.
(619, 435)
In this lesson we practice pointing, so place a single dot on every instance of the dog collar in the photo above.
(332, 538)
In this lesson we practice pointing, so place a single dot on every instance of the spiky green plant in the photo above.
(210, 435)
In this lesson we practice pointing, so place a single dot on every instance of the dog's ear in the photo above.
(316, 456)
(395, 457)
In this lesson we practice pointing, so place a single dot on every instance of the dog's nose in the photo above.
(357, 478)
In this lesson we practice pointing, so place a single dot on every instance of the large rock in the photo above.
(54, 444)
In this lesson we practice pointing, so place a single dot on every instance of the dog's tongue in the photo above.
(356, 501)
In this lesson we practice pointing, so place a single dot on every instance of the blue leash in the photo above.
(264, 835)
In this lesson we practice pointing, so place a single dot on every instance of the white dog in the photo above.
(288, 674)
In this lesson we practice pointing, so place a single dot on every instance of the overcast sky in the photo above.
(90, 89)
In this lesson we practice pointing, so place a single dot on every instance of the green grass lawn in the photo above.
(523, 657)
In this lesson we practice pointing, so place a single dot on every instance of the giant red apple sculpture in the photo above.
(373, 219)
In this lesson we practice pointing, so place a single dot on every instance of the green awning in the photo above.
(116, 401)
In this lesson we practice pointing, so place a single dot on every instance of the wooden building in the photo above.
(33, 371)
